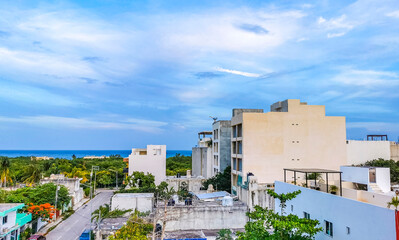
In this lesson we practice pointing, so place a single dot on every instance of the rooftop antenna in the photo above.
(214, 118)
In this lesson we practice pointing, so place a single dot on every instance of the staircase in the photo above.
(373, 187)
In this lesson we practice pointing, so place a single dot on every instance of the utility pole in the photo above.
(93, 168)
(56, 198)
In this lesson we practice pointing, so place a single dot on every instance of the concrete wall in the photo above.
(150, 160)
(355, 174)
(202, 162)
(365, 221)
(223, 141)
(303, 137)
(359, 152)
(205, 216)
(255, 194)
(394, 151)
(361, 175)
(193, 184)
(143, 202)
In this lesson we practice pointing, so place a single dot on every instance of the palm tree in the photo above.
(33, 173)
(5, 171)
(394, 202)
(100, 213)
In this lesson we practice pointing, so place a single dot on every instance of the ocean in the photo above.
(67, 154)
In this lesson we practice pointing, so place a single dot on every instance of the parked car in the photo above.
(86, 235)
(37, 237)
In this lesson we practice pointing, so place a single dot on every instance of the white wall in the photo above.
(383, 179)
(365, 221)
(153, 162)
(359, 152)
(205, 217)
(143, 202)
(361, 175)
(355, 174)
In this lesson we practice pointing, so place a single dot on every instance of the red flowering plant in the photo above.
(46, 211)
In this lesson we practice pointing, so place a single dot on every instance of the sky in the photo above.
(121, 74)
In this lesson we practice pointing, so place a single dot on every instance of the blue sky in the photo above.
(122, 74)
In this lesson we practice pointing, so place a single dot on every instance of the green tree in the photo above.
(221, 182)
(142, 181)
(135, 228)
(393, 165)
(394, 202)
(5, 171)
(266, 224)
(178, 164)
(104, 178)
(33, 173)
(224, 234)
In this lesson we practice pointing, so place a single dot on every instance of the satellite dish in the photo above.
(214, 118)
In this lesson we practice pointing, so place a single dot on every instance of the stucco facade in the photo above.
(221, 145)
(359, 152)
(395, 151)
(350, 219)
(202, 162)
(142, 202)
(149, 160)
(73, 185)
(292, 135)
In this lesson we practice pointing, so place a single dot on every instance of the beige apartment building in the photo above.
(292, 135)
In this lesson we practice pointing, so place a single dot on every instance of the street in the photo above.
(71, 228)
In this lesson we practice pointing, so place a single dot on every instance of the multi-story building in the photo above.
(149, 160)
(292, 134)
(202, 159)
(221, 145)
(356, 208)
(12, 222)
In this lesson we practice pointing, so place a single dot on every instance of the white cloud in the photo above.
(367, 78)
(340, 24)
(84, 123)
(374, 126)
(333, 35)
(236, 72)
(394, 14)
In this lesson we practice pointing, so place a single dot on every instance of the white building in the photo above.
(149, 160)
(359, 152)
(357, 214)
(73, 185)
(221, 140)
(142, 202)
(202, 159)
(12, 222)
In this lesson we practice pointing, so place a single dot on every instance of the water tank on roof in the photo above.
(227, 201)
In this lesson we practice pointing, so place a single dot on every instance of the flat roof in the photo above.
(134, 195)
(202, 196)
(9, 207)
(311, 170)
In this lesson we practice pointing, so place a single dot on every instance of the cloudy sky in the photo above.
(118, 74)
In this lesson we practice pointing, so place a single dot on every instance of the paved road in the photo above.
(71, 228)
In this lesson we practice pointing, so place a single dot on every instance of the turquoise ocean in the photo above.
(67, 154)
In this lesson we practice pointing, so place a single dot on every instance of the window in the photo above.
(234, 129)
(234, 145)
(348, 230)
(239, 130)
(306, 215)
(240, 164)
(328, 228)
(5, 219)
(234, 163)
(239, 147)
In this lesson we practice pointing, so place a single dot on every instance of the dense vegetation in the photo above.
(40, 194)
(220, 182)
(30, 171)
(178, 164)
(394, 166)
(266, 224)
